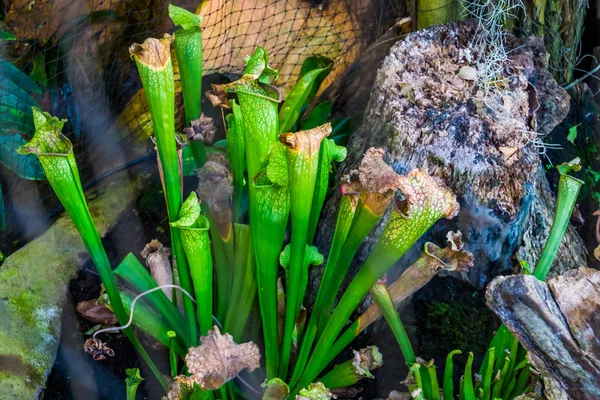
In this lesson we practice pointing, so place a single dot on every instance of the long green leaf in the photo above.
(26, 166)
(9, 71)
(132, 272)
(290, 111)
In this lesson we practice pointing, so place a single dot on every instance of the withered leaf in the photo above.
(315, 391)
(219, 359)
(96, 313)
(201, 129)
(218, 97)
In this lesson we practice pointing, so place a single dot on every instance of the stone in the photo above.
(558, 323)
(34, 283)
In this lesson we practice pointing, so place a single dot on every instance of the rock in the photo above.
(33, 291)
(455, 131)
(558, 323)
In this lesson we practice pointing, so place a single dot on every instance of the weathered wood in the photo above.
(559, 324)
(480, 144)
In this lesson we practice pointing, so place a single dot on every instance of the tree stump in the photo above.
(428, 111)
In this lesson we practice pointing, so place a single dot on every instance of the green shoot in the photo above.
(132, 381)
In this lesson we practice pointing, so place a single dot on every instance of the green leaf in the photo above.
(7, 70)
(312, 63)
(26, 166)
(257, 65)
(572, 134)
(7, 36)
(38, 71)
(277, 167)
(318, 116)
(184, 18)
(290, 111)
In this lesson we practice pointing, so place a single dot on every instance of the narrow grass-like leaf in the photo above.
(133, 273)
(7, 36)
(146, 318)
(384, 301)
(292, 106)
(243, 290)
(318, 116)
(9, 71)
(310, 64)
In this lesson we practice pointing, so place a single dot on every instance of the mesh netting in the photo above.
(77, 50)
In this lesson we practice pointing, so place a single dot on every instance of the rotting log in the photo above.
(480, 145)
(559, 324)
(34, 284)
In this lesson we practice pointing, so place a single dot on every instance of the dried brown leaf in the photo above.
(218, 96)
(432, 261)
(201, 129)
(219, 359)
(157, 259)
(215, 188)
(96, 313)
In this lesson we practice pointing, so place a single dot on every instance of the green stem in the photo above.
(448, 389)
(352, 371)
(384, 301)
(468, 383)
(172, 354)
(153, 60)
